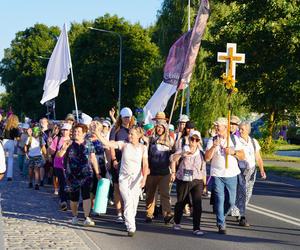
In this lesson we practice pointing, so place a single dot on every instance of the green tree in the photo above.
(208, 97)
(95, 58)
(96, 64)
(23, 71)
(268, 31)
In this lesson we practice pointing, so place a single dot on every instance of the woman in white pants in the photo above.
(133, 173)
(11, 132)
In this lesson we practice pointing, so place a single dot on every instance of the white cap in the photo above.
(66, 126)
(25, 126)
(86, 119)
(221, 121)
(183, 118)
(126, 112)
(195, 133)
(106, 123)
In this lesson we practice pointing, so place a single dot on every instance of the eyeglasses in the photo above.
(195, 139)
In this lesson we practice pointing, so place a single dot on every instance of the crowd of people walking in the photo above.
(73, 155)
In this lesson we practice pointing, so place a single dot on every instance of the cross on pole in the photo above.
(231, 58)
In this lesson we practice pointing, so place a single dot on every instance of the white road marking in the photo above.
(273, 214)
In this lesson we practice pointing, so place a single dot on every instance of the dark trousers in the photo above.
(59, 173)
(183, 189)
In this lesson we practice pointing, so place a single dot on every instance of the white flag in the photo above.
(58, 67)
(158, 101)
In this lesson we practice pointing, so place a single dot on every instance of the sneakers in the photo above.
(37, 187)
(55, 191)
(243, 222)
(148, 220)
(30, 185)
(222, 229)
(168, 219)
(177, 227)
(64, 206)
(75, 220)
(198, 233)
(88, 222)
(131, 234)
(119, 219)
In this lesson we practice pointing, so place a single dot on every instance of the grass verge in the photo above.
(274, 157)
(284, 171)
(287, 147)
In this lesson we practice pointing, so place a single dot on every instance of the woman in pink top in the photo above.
(58, 162)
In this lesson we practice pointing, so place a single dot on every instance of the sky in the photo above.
(17, 15)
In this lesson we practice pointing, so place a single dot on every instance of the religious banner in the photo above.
(179, 65)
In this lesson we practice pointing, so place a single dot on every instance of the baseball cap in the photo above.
(195, 133)
(126, 112)
(66, 126)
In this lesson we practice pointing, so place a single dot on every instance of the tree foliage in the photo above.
(95, 58)
(268, 32)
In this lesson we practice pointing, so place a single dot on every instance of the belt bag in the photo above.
(187, 175)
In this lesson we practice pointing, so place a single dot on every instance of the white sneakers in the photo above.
(88, 222)
(75, 220)
(177, 227)
(119, 219)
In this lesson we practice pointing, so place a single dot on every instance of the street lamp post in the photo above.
(120, 61)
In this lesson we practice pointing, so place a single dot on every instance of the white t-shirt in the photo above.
(131, 163)
(2, 160)
(35, 147)
(249, 152)
(218, 161)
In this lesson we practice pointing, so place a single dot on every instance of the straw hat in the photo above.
(234, 120)
(160, 116)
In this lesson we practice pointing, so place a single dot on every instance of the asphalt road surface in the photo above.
(273, 214)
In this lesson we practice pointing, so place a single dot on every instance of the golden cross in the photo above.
(231, 58)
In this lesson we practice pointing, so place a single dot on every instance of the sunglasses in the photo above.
(195, 139)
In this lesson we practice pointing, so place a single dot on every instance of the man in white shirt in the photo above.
(224, 178)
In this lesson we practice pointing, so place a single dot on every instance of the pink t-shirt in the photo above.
(58, 162)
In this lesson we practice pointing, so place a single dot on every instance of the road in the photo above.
(31, 221)
(266, 231)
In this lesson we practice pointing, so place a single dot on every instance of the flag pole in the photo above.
(173, 106)
(72, 76)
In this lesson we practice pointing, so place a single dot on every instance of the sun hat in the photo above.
(66, 126)
(183, 118)
(70, 117)
(86, 119)
(126, 112)
(221, 121)
(235, 120)
(160, 116)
